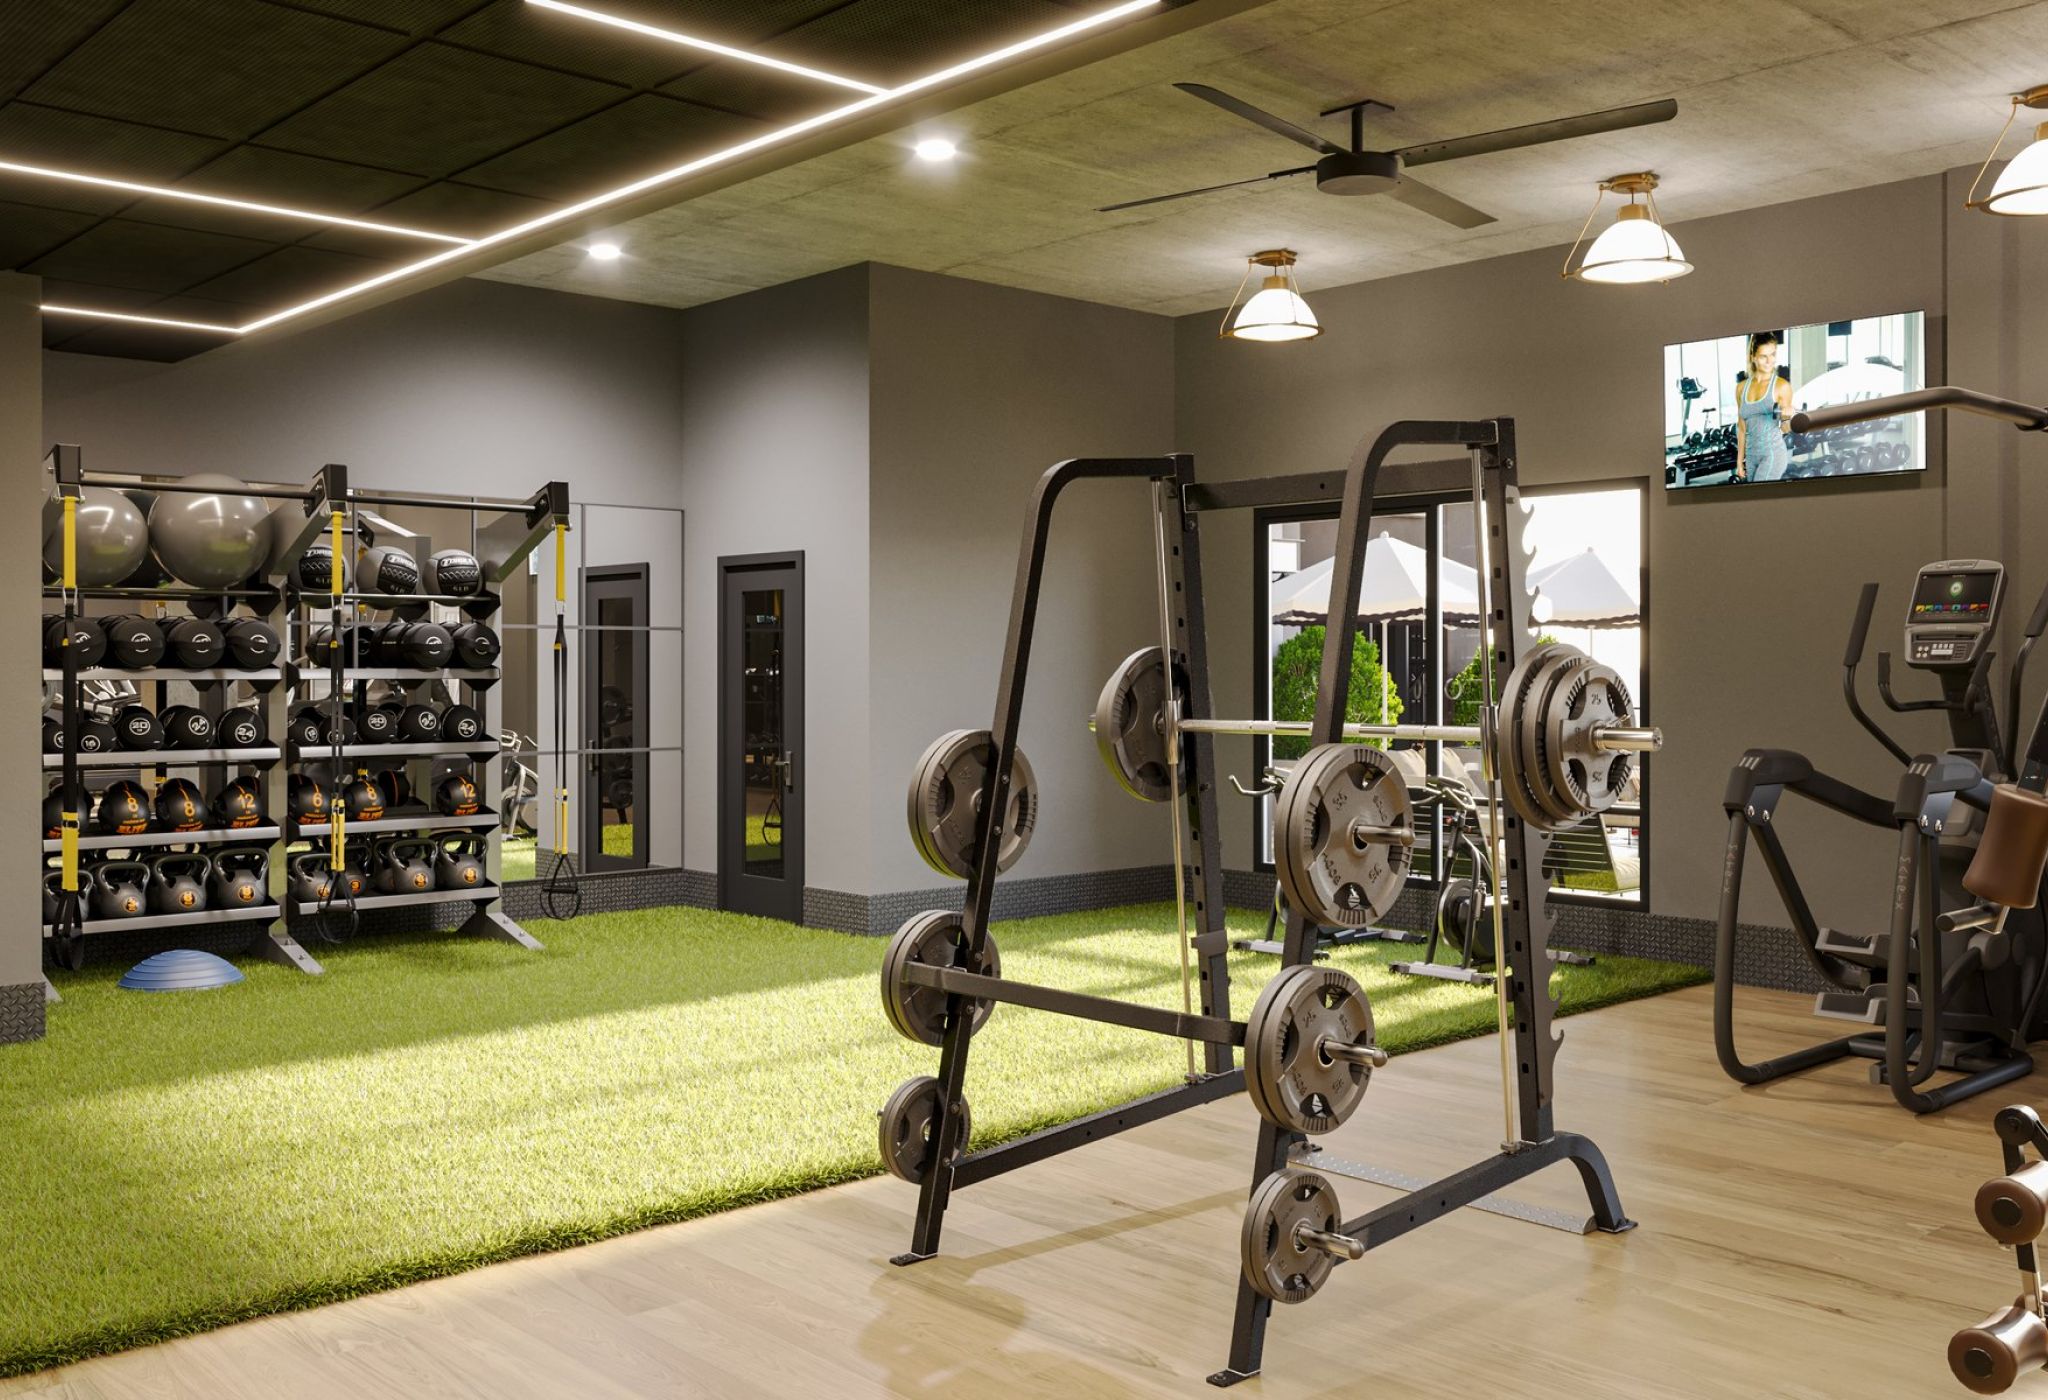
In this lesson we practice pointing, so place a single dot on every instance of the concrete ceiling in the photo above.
(1778, 100)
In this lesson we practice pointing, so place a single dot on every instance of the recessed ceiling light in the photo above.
(935, 148)
(705, 45)
(604, 252)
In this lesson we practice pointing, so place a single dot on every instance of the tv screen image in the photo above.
(1724, 427)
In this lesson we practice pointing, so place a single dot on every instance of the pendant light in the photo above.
(2022, 187)
(1635, 247)
(1276, 311)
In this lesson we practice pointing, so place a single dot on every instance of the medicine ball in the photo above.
(136, 728)
(88, 642)
(378, 725)
(315, 570)
(308, 801)
(419, 724)
(211, 538)
(133, 642)
(53, 810)
(179, 807)
(361, 800)
(95, 735)
(194, 643)
(456, 796)
(455, 573)
(124, 809)
(461, 724)
(393, 787)
(241, 728)
(113, 538)
(427, 645)
(239, 804)
(186, 727)
(53, 734)
(251, 643)
(387, 569)
(476, 646)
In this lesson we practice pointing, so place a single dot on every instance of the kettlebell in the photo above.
(133, 642)
(124, 809)
(194, 643)
(353, 877)
(239, 878)
(238, 805)
(461, 724)
(178, 883)
(308, 878)
(458, 862)
(251, 643)
(378, 725)
(476, 646)
(88, 642)
(53, 892)
(135, 728)
(179, 807)
(404, 865)
(419, 724)
(456, 796)
(361, 800)
(427, 645)
(241, 728)
(119, 889)
(186, 727)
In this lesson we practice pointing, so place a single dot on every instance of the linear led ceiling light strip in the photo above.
(875, 97)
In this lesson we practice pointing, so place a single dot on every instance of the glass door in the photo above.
(615, 741)
(760, 702)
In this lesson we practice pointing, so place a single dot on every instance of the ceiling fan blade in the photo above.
(1206, 189)
(1539, 133)
(1426, 199)
(1279, 126)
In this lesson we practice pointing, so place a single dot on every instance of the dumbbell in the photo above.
(186, 727)
(426, 645)
(419, 724)
(476, 646)
(251, 643)
(133, 642)
(194, 643)
(313, 726)
(136, 728)
(88, 642)
(378, 724)
(53, 734)
(241, 728)
(461, 724)
(95, 735)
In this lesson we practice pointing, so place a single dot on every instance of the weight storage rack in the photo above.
(343, 514)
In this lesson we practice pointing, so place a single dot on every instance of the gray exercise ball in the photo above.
(210, 539)
(113, 538)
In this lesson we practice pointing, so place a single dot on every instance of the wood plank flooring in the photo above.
(1807, 1240)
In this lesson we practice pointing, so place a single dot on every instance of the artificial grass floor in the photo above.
(175, 1162)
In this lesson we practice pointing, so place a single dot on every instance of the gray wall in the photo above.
(977, 390)
(774, 401)
(21, 702)
(1751, 595)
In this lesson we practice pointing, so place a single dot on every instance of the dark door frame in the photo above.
(732, 881)
(594, 858)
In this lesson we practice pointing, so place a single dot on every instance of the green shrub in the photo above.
(1297, 674)
(1466, 691)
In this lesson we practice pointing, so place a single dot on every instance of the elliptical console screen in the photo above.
(1955, 597)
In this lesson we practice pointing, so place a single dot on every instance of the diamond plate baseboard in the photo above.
(21, 1012)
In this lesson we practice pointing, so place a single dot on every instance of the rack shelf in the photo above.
(404, 821)
(480, 748)
(404, 673)
(212, 836)
(146, 922)
(166, 673)
(164, 758)
(475, 894)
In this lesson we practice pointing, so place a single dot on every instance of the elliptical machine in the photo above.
(1944, 990)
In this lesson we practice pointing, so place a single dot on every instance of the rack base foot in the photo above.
(1227, 1377)
(492, 924)
(900, 1260)
(281, 948)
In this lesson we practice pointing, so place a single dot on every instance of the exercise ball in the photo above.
(214, 538)
(113, 538)
(148, 573)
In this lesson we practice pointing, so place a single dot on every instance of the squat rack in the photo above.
(1520, 908)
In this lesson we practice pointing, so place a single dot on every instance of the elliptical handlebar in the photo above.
(2036, 625)
(1852, 657)
(1860, 629)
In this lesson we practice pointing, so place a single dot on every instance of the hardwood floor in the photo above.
(1808, 1239)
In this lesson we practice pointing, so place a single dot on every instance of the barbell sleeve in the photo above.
(1370, 1056)
(1613, 738)
(1330, 1242)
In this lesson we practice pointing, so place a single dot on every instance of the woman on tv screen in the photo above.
(1763, 401)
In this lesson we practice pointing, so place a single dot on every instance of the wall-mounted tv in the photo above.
(1728, 403)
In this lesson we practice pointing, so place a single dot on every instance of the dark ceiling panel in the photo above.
(893, 41)
(305, 182)
(436, 109)
(223, 67)
(290, 275)
(127, 340)
(446, 207)
(636, 138)
(69, 141)
(410, 16)
(27, 232)
(59, 195)
(761, 93)
(515, 29)
(149, 257)
(34, 36)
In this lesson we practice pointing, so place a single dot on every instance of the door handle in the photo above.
(789, 770)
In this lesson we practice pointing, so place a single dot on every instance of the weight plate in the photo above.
(1510, 759)
(1587, 780)
(1460, 924)
(945, 803)
(1532, 738)
(1130, 724)
(1277, 1264)
(1291, 1081)
(918, 1012)
(1334, 864)
(910, 1126)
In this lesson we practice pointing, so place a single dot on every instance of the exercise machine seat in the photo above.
(2012, 851)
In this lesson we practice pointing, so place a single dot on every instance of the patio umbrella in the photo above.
(1583, 592)
(1395, 588)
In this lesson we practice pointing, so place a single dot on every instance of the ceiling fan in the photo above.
(1358, 171)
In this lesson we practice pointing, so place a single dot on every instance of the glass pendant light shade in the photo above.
(2022, 187)
(1635, 248)
(1277, 311)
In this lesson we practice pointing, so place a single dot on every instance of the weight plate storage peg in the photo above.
(1342, 832)
(1130, 724)
(910, 1128)
(945, 803)
(932, 938)
(1291, 1239)
(1308, 1049)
